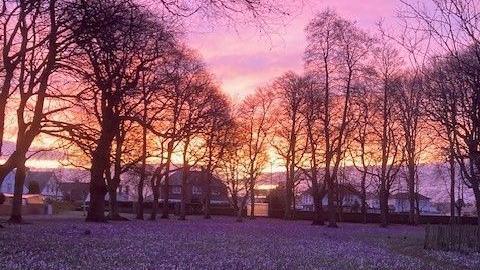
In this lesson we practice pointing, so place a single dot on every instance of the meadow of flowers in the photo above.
(66, 242)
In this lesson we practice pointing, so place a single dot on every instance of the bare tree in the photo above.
(362, 150)
(214, 136)
(454, 28)
(116, 41)
(230, 170)
(389, 142)
(289, 140)
(255, 124)
(336, 51)
(177, 82)
(195, 114)
(452, 106)
(441, 107)
(13, 17)
(34, 38)
(410, 98)
(311, 108)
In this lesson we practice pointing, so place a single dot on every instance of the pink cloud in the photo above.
(243, 58)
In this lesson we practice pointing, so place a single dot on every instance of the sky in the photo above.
(243, 58)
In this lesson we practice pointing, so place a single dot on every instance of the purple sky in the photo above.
(243, 58)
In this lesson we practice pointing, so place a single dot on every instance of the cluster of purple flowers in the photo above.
(219, 243)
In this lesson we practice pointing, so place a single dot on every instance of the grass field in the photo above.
(66, 242)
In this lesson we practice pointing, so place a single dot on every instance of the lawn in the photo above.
(66, 242)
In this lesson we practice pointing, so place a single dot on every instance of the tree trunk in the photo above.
(318, 207)
(364, 198)
(332, 218)
(140, 210)
(476, 192)
(98, 187)
(240, 213)
(156, 195)
(183, 203)
(113, 211)
(166, 194)
(16, 215)
(141, 183)
(288, 199)
(114, 182)
(166, 182)
(411, 192)
(252, 198)
(208, 192)
(452, 187)
(383, 207)
(3, 104)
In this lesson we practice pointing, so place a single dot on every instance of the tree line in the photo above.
(380, 101)
(117, 84)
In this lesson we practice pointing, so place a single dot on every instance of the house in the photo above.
(348, 198)
(196, 188)
(123, 195)
(48, 183)
(401, 203)
(74, 191)
(373, 203)
(8, 184)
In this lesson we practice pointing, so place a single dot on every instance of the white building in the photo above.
(401, 203)
(8, 185)
(47, 183)
(348, 197)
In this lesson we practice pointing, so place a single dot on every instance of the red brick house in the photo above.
(197, 188)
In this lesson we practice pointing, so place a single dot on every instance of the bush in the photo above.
(2, 198)
(33, 188)
(62, 206)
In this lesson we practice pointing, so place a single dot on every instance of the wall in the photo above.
(374, 218)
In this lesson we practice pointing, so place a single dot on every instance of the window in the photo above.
(196, 190)
(176, 190)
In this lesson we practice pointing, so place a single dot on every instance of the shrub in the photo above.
(62, 206)
(33, 188)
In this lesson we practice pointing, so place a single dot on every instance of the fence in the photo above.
(191, 209)
(374, 217)
(464, 238)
